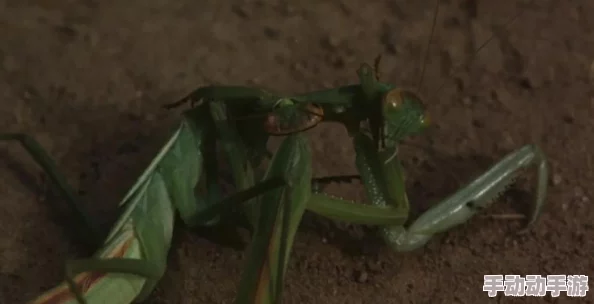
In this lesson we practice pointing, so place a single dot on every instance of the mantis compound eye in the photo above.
(393, 99)
(404, 109)
(425, 120)
(396, 98)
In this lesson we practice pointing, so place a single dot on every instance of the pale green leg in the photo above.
(276, 217)
(466, 202)
(384, 182)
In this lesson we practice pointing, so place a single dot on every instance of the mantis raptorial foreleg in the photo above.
(457, 208)
(383, 178)
(477, 195)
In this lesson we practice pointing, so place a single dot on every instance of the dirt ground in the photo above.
(86, 78)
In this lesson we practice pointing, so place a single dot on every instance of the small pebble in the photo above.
(255, 81)
(362, 277)
(467, 101)
(287, 10)
(556, 179)
(9, 64)
(298, 67)
(331, 42)
(241, 11)
(578, 192)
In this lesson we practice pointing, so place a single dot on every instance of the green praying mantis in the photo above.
(132, 257)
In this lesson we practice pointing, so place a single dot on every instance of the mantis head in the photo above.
(404, 115)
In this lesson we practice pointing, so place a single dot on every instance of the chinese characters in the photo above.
(536, 285)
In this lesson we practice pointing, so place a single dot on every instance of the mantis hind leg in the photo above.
(88, 228)
(143, 268)
(276, 218)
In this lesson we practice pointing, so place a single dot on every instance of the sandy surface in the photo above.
(86, 78)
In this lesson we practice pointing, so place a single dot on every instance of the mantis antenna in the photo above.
(457, 69)
(424, 64)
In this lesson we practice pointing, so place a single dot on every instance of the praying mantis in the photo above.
(131, 257)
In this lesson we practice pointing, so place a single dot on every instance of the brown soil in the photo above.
(86, 78)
